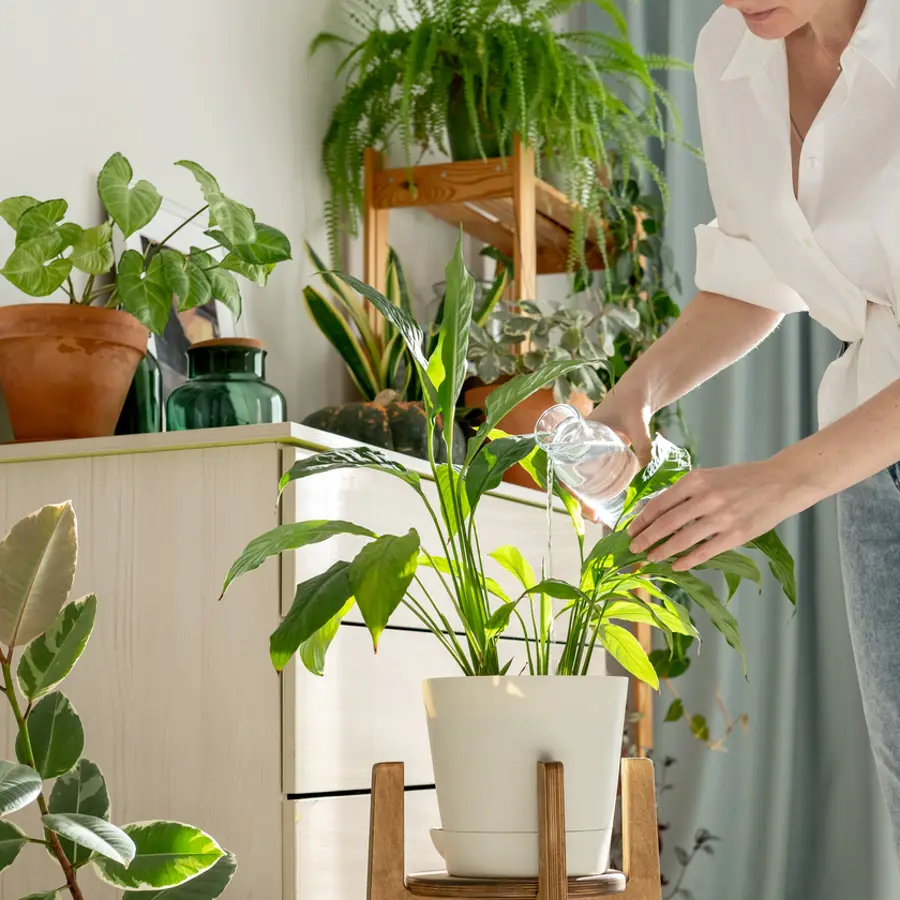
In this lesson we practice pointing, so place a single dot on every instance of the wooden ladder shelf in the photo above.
(639, 881)
(499, 201)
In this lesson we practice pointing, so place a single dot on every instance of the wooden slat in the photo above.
(640, 836)
(444, 183)
(386, 878)
(642, 694)
(552, 882)
(440, 886)
(473, 223)
(525, 246)
(375, 231)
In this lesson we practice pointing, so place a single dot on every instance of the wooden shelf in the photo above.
(499, 201)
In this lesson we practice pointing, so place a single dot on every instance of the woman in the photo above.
(800, 114)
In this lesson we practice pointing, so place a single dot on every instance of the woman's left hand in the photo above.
(710, 511)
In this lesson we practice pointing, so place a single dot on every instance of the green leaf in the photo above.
(174, 274)
(499, 620)
(675, 711)
(613, 552)
(50, 657)
(130, 208)
(338, 333)
(558, 589)
(731, 562)
(222, 285)
(42, 895)
(668, 665)
(626, 649)
(218, 237)
(509, 395)
(699, 728)
(92, 833)
(269, 248)
(650, 614)
(258, 275)
(292, 536)
(12, 840)
(485, 472)
(33, 266)
(12, 208)
(144, 294)
(512, 560)
(19, 786)
(167, 854)
(668, 464)
(57, 736)
(380, 576)
(444, 565)
(232, 218)
(351, 458)
(37, 562)
(781, 563)
(312, 651)
(458, 304)
(206, 886)
(200, 290)
(316, 602)
(40, 219)
(448, 483)
(208, 184)
(81, 791)
(93, 251)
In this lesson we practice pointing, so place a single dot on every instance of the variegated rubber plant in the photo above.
(615, 585)
(42, 637)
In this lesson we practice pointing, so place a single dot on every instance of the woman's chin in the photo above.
(773, 26)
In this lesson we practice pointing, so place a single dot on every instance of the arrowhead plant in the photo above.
(42, 637)
(615, 587)
(50, 250)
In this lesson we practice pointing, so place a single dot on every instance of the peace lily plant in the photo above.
(42, 637)
(616, 585)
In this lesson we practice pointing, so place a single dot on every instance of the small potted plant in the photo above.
(467, 78)
(65, 368)
(489, 726)
(391, 414)
(42, 637)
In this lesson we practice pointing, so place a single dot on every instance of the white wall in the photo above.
(225, 82)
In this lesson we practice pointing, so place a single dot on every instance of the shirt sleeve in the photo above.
(728, 261)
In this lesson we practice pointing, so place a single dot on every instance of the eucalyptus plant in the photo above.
(49, 249)
(615, 585)
(42, 636)
(495, 70)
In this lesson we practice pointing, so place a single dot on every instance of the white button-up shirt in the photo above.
(834, 250)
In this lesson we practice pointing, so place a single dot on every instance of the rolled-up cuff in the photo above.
(735, 268)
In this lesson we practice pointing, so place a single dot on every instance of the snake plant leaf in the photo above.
(131, 208)
(12, 208)
(40, 219)
(167, 854)
(93, 251)
(92, 833)
(19, 786)
(34, 267)
(146, 295)
(291, 536)
(37, 567)
(337, 331)
(50, 657)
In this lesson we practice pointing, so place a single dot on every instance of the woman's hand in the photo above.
(628, 414)
(710, 511)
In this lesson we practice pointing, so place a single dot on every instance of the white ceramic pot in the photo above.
(487, 736)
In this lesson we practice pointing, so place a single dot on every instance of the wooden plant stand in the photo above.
(499, 201)
(640, 880)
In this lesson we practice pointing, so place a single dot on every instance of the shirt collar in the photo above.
(876, 39)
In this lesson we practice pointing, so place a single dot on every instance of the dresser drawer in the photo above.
(328, 844)
(386, 505)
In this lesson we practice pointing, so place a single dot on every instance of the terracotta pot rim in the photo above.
(93, 323)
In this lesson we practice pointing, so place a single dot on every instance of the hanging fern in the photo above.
(581, 98)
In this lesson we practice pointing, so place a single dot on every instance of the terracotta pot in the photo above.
(65, 369)
(523, 418)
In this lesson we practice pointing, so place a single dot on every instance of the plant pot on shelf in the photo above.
(487, 735)
(389, 423)
(65, 369)
(460, 135)
(523, 418)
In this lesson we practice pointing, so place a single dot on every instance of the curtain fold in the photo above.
(795, 799)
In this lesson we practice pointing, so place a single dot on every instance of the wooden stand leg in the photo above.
(387, 876)
(525, 238)
(375, 237)
(640, 837)
(552, 879)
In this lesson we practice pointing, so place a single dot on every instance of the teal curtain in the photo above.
(794, 800)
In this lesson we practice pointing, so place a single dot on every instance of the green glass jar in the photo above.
(227, 387)
(142, 412)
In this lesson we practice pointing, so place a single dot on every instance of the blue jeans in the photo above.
(869, 533)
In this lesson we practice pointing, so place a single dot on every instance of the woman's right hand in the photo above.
(628, 414)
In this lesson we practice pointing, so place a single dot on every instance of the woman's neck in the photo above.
(835, 23)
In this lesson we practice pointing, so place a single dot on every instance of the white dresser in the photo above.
(181, 707)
